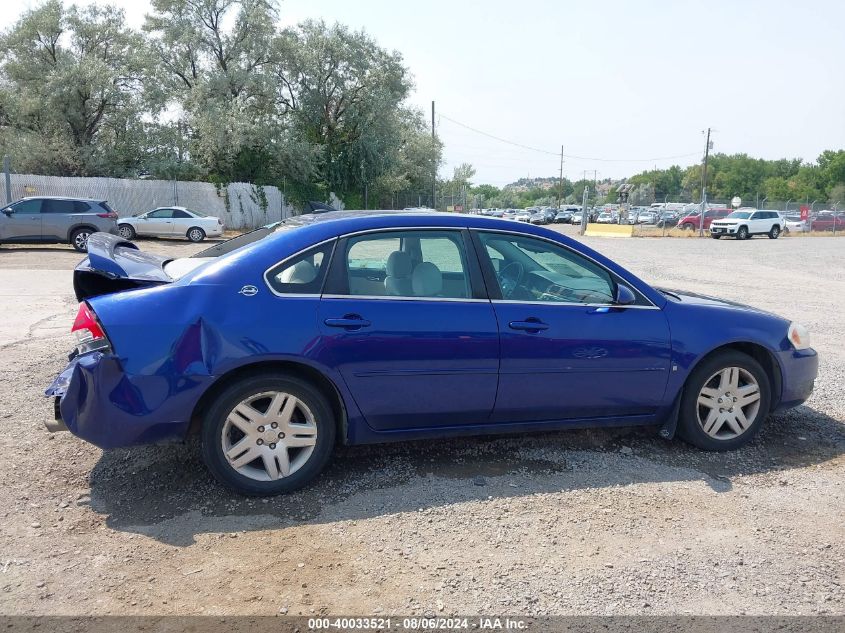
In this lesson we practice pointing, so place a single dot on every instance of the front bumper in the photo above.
(96, 401)
(800, 369)
(723, 230)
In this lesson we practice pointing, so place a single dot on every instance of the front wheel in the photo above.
(688, 226)
(724, 403)
(268, 434)
(196, 234)
(126, 231)
(79, 239)
(774, 233)
(742, 233)
(715, 236)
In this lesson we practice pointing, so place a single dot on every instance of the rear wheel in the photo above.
(775, 232)
(196, 234)
(725, 401)
(268, 434)
(79, 239)
(126, 231)
(688, 226)
(742, 233)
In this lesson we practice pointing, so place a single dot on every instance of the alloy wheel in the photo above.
(80, 240)
(195, 235)
(125, 232)
(728, 403)
(269, 436)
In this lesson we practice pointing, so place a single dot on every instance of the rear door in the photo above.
(21, 222)
(58, 216)
(404, 319)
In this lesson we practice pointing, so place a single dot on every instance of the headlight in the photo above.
(798, 336)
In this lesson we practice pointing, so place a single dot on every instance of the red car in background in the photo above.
(693, 220)
(825, 221)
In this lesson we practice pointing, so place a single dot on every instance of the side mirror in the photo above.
(8, 210)
(624, 295)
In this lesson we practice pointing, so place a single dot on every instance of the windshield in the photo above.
(247, 238)
(739, 215)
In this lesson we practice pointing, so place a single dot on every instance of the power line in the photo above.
(542, 151)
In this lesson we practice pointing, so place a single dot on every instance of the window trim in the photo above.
(496, 293)
(311, 295)
(336, 278)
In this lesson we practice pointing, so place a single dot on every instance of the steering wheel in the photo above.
(508, 281)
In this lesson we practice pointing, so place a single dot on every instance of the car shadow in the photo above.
(164, 492)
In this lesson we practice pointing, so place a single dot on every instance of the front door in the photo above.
(21, 222)
(566, 351)
(158, 222)
(404, 320)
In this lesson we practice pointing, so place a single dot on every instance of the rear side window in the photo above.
(177, 213)
(58, 206)
(302, 274)
(81, 207)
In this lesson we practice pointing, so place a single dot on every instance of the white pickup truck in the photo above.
(744, 224)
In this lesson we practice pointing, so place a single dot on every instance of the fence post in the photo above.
(7, 167)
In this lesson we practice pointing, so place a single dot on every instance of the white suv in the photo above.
(744, 224)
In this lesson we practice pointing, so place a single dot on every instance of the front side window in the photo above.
(160, 213)
(414, 263)
(28, 207)
(528, 269)
(303, 274)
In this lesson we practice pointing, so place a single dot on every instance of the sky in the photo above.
(621, 86)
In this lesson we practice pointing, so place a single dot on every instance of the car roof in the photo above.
(77, 198)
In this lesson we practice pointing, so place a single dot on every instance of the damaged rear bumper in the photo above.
(97, 401)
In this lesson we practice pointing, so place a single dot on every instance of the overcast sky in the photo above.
(629, 83)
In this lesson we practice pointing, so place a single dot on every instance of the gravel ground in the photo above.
(579, 522)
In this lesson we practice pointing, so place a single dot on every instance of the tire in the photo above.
(264, 474)
(726, 432)
(688, 226)
(126, 231)
(742, 233)
(774, 233)
(715, 236)
(195, 234)
(79, 239)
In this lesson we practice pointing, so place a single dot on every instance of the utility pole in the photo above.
(584, 217)
(560, 189)
(434, 163)
(704, 185)
(7, 168)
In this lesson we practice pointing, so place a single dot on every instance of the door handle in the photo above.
(349, 321)
(529, 325)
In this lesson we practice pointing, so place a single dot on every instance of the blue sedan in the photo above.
(359, 327)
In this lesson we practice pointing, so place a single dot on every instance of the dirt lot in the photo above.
(580, 522)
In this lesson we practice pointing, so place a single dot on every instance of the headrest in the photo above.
(427, 280)
(399, 264)
(302, 272)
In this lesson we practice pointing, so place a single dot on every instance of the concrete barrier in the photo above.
(610, 230)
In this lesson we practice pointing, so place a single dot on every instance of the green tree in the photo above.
(71, 94)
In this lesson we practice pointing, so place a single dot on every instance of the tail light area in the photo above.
(89, 333)
(111, 215)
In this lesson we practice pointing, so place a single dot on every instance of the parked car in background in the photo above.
(56, 220)
(693, 219)
(646, 216)
(404, 327)
(607, 217)
(668, 219)
(522, 215)
(827, 220)
(744, 225)
(171, 222)
(792, 223)
(577, 216)
(564, 216)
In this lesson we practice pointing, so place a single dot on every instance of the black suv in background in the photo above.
(55, 220)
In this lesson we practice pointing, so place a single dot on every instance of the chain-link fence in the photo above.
(240, 205)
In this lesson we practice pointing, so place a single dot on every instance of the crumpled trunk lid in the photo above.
(113, 265)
